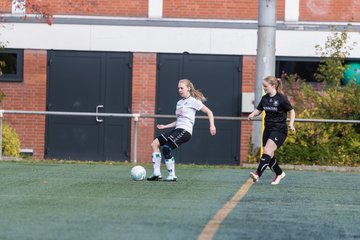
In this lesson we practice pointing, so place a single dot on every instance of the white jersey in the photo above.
(185, 113)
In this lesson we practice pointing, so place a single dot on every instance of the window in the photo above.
(307, 67)
(304, 67)
(12, 61)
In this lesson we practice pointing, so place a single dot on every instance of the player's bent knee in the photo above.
(268, 151)
(155, 144)
(167, 152)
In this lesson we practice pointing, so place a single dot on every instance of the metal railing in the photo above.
(136, 117)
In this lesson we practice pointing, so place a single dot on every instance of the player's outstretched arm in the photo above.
(210, 114)
(170, 125)
(255, 113)
(292, 120)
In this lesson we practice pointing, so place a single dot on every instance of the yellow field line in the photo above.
(213, 225)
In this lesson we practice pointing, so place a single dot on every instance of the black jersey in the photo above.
(276, 109)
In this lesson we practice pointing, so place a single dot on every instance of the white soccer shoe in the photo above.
(255, 177)
(278, 178)
(170, 178)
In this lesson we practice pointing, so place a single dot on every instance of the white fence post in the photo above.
(136, 120)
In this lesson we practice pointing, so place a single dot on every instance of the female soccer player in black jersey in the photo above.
(276, 105)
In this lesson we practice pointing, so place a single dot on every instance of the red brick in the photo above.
(216, 9)
(143, 101)
(330, 10)
(248, 85)
(123, 8)
(245, 137)
(28, 95)
(249, 73)
(5, 6)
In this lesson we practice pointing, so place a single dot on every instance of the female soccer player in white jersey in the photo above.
(190, 102)
(276, 105)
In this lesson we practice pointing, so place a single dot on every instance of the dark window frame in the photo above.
(294, 59)
(19, 76)
(306, 59)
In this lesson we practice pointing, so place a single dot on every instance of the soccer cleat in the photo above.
(154, 177)
(278, 178)
(255, 177)
(170, 178)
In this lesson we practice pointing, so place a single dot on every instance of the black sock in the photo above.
(264, 162)
(274, 165)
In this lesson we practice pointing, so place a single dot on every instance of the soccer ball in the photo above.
(138, 173)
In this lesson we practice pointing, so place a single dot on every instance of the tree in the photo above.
(41, 8)
(332, 55)
(325, 144)
(45, 10)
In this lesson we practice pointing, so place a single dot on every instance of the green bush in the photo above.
(321, 144)
(10, 142)
(2, 95)
(324, 143)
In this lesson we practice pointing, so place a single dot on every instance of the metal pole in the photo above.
(1, 125)
(265, 58)
(136, 121)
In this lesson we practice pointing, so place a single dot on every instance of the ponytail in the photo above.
(277, 82)
(194, 92)
(279, 86)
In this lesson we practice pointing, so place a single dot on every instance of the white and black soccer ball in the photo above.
(138, 173)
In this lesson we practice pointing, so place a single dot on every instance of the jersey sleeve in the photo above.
(197, 104)
(260, 106)
(286, 104)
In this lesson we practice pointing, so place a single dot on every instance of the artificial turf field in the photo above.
(52, 200)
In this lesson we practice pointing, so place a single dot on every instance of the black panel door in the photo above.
(87, 82)
(219, 78)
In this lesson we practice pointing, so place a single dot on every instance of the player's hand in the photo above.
(160, 126)
(213, 130)
(292, 128)
(251, 116)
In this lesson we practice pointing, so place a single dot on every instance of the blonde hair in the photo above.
(193, 92)
(274, 81)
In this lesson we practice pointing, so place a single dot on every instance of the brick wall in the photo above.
(28, 95)
(218, 9)
(31, 95)
(330, 10)
(5, 6)
(249, 73)
(123, 8)
(143, 101)
(248, 85)
(310, 10)
(245, 136)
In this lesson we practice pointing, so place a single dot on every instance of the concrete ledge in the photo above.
(310, 167)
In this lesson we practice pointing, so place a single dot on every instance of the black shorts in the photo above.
(174, 138)
(277, 136)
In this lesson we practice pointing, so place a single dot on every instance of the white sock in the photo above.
(170, 165)
(156, 159)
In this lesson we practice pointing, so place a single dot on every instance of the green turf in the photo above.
(80, 201)
(308, 205)
(100, 201)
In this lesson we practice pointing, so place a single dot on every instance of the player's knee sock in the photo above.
(170, 165)
(264, 162)
(274, 165)
(156, 159)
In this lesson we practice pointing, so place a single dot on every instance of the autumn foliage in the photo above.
(44, 10)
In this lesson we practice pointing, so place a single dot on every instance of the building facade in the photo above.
(75, 61)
